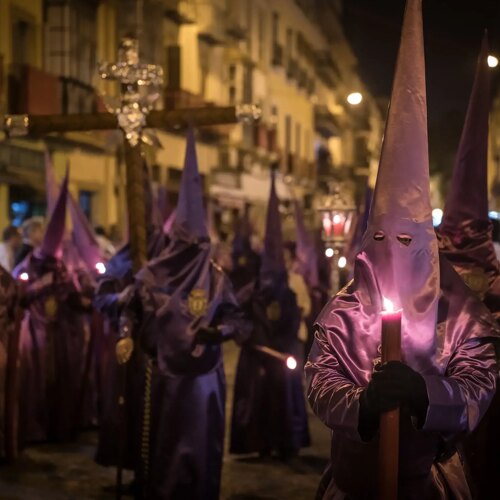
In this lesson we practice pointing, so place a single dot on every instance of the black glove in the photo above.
(397, 381)
(209, 335)
(393, 384)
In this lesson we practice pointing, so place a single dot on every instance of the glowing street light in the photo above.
(342, 262)
(437, 217)
(492, 61)
(355, 98)
(329, 252)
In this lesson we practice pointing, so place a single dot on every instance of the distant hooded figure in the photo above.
(447, 378)
(9, 338)
(269, 413)
(114, 289)
(52, 337)
(245, 261)
(465, 239)
(182, 310)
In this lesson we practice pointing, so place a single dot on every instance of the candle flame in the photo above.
(336, 219)
(388, 305)
(291, 363)
(100, 268)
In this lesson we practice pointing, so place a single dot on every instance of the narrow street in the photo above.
(56, 472)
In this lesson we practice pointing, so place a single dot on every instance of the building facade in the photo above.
(290, 57)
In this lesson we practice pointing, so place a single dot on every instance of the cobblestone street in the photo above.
(68, 472)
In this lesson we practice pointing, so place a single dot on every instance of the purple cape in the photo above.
(178, 292)
(51, 352)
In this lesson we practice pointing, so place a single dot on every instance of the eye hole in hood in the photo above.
(405, 239)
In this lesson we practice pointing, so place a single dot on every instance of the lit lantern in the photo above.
(336, 217)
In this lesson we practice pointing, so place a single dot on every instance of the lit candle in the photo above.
(290, 361)
(389, 421)
(327, 225)
(338, 226)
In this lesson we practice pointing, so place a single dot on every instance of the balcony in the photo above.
(180, 12)
(292, 69)
(77, 97)
(327, 69)
(277, 59)
(178, 99)
(325, 122)
(302, 79)
(32, 90)
(211, 20)
(311, 86)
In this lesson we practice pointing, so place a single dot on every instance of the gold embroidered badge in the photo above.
(197, 302)
(273, 311)
(242, 261)
(476, 279)
(50, 306)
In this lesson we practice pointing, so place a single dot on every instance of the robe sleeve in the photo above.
(332, 396)
(230, 317)
(458, 401)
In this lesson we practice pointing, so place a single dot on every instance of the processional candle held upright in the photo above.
(389, 421)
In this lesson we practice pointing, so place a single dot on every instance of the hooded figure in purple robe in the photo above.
(9, 328)
(465, 239)
(447, 378)
(114, 289)
(269, 413)
(182, 309)
(51, 338)
(245, 261)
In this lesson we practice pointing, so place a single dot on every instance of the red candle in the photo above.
(389, 421)
(327, 225)
(338, 226)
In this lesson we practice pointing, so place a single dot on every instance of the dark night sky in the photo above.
(452, 31)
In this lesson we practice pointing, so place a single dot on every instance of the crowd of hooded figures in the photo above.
(85, 340)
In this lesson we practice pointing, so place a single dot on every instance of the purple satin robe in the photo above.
(178, 292)
(460, 385)
(51, 352)
(9, 293)
(469, 248)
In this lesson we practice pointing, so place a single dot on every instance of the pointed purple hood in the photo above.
(190, 218)
(83, 236)
(468, 195)
(273, 260)
(399, 254)
(52, 241)
(465, 233)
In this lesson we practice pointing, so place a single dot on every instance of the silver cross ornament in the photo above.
(132, 76)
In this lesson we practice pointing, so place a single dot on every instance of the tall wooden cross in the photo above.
(132, 117)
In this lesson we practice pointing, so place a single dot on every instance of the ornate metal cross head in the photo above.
(132, 75)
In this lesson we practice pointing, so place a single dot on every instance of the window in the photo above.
(22, 42)
(261, 35)
(85, 202)
(70, 42)
(298, 132)
(275, 28)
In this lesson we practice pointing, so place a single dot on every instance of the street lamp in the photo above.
(355, 98)
(492, 61)
(336, 219)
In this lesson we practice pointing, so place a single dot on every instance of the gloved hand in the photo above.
(393, 384)
(209, 335)
(396, 381)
